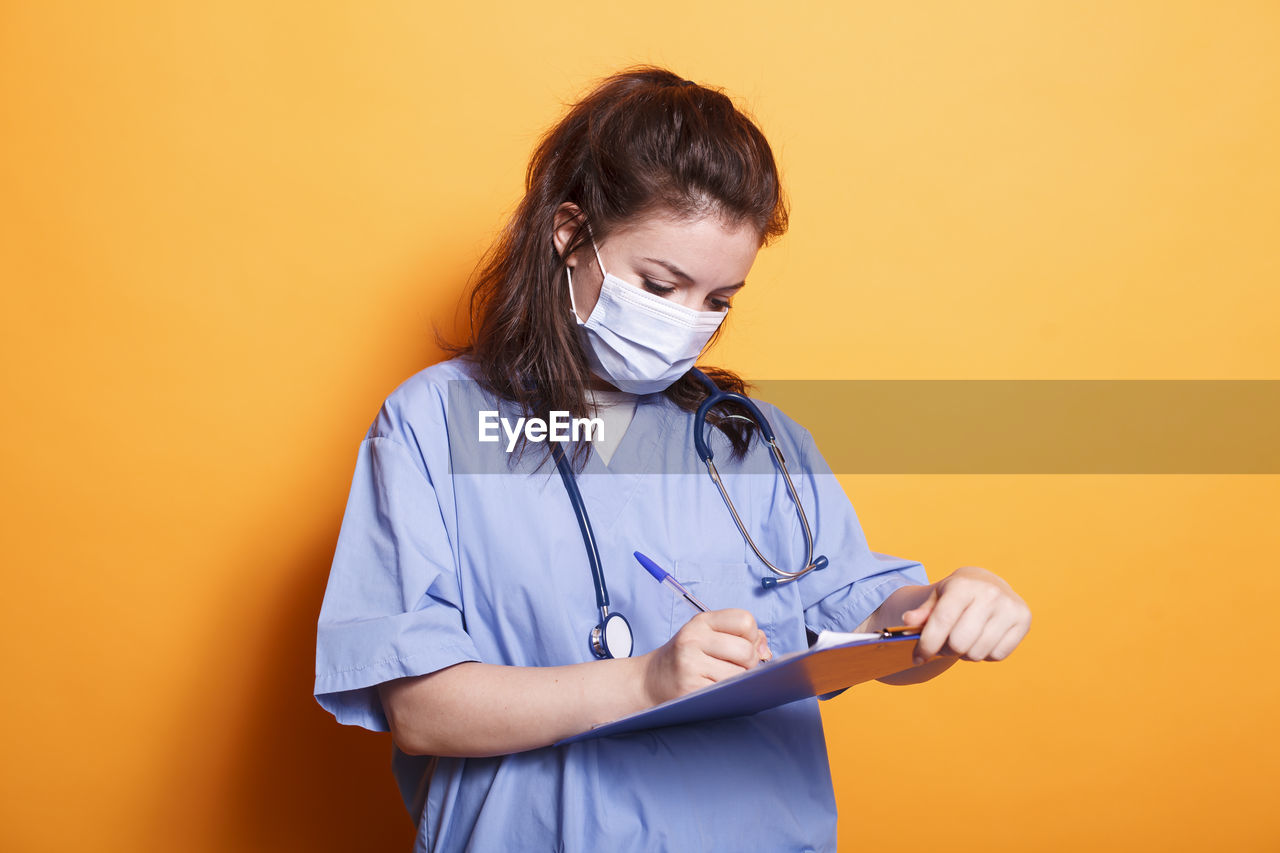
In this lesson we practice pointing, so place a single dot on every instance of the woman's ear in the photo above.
(568, 217)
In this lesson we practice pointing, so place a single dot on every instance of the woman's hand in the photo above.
(709, 647)
(971, 613)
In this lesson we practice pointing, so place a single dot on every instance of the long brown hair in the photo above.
(643, 140)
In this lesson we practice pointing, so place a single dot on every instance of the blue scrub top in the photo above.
(448, 553)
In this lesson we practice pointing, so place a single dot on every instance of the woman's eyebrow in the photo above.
(681, 274)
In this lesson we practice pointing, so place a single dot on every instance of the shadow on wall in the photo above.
(298, 780)
(281, 774)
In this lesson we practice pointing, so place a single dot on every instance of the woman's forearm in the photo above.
(477, 709)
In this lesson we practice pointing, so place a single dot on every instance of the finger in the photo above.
(731, 649)
(733, 620)
(762, 647)
(948, 610)
(920, 615)
(1010, 641)
(713, 671)
(718, 670)
(992, 632)
(969, 627)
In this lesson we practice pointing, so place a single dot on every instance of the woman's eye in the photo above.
(654, 287)
(666, 290)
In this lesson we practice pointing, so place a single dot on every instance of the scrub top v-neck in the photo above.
(453, 550)
(615, 409)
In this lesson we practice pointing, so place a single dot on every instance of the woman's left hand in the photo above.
(971, 613)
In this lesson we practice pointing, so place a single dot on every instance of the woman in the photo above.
(459, 611)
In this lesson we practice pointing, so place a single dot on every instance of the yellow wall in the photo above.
(227, 229)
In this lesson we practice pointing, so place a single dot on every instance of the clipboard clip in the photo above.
(899, 631)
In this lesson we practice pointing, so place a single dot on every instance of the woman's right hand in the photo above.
(709, 647)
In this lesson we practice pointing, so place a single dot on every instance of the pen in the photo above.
(662, 576)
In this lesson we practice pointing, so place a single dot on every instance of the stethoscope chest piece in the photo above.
(612, 638)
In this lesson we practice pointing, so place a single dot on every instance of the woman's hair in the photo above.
(643, 141)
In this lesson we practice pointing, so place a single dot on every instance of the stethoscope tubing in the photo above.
(715, 397)
(599, 635)
(584, 524)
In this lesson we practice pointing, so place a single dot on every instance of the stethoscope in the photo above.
(612, 637)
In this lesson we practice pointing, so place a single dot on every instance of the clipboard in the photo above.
(835, 661)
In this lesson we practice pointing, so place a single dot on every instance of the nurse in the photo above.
(460, 598)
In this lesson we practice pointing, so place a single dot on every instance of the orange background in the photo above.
(228, 229)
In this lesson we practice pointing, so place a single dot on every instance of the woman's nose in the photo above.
(689, 299)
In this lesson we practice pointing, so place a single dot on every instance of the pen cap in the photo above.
(659, 574)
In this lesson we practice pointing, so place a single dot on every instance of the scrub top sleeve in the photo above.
(857, 580)
(392, 607)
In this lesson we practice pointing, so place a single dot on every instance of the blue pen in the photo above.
(662, 576)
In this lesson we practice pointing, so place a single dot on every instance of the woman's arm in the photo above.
(971, 614)
(479, 709)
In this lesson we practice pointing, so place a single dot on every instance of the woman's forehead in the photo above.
(704, 247)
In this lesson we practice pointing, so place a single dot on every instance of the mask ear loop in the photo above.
(568, 271)
(599, 262)
(573, 306)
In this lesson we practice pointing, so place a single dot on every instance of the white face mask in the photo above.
(639, 341)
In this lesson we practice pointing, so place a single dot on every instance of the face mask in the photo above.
(639, 341)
